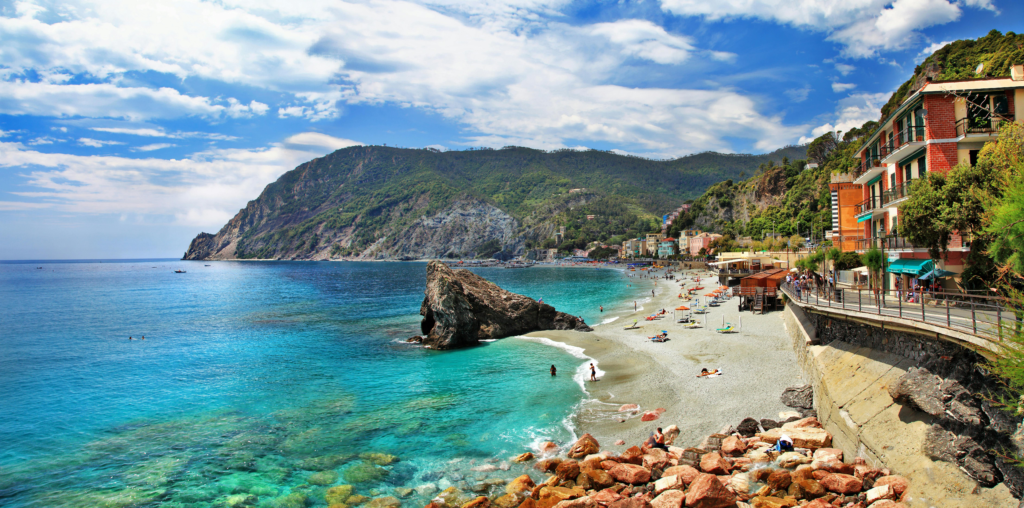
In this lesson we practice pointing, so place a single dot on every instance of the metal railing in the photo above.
(989, 317)
(869, 204)
(898, 192)
(966, 126)
(885, 242)
(900, 138)
(869, 162)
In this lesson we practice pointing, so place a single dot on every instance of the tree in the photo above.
(873, 259)
(819, 149)
(1006, 228)
(795, 243)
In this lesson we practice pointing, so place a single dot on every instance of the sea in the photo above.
(270, 383)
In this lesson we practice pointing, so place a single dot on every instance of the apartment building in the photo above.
(939, 126)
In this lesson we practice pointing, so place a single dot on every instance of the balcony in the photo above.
(896, 193)
(869, 205)
(902, 143)
(885, 243)
(868, 163)
(981, 126)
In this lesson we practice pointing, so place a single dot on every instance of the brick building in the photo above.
(937, 127)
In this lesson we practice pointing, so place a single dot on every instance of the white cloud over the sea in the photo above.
(508, 72)
(204, 190)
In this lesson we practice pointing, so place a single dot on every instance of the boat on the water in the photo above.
(180, 271)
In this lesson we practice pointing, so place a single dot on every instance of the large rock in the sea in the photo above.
(460, 308)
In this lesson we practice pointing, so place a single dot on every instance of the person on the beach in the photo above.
(602, 308)
(553, 370)
(593, 373)
(634, 305)
(785, 444)
(659, 440)
(704, 372)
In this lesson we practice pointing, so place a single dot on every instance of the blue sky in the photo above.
(128, 127)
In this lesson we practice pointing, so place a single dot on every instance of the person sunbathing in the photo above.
(704, 372)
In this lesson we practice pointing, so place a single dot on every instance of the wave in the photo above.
(608, 320)
(583, 371)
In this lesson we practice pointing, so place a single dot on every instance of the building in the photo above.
(846, 196)
(653, 239)
(542, 255)
(667, 247)
(701, 241)
(633, 248)
(940, 125)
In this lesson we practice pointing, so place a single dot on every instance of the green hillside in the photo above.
(366, 197)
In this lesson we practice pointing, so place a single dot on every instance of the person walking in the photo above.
(593, 373)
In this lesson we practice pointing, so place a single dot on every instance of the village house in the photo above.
(653, 239)
(702, 241)
(667, 247)
(942, 124)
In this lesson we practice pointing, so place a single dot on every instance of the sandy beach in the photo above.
(758, 362)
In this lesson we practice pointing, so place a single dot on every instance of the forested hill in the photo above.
(789, 200)
(374, 202)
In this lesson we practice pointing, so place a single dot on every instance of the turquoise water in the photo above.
(265, 381)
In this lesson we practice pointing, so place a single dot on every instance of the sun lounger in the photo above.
(728, 329)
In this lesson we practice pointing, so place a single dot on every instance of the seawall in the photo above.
(851, 397)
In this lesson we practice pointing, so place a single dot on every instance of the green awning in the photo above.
(912, 157)
(875, 179)
(913, 267)
(864, 218)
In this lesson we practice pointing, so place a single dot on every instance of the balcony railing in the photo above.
(906, 135)
(885, 242)
(869, 204)
(870, 161)
(896, 193)
(967, 126)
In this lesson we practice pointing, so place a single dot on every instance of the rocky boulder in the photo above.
(460, 308)
(630, 473)
(920, 390)
(801, 397)
(707, 492)
(586, 445)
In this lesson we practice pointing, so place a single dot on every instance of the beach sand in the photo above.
(758, 363)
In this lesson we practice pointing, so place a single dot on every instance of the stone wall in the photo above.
(850, 366)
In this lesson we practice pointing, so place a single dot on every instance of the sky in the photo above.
(127, 127)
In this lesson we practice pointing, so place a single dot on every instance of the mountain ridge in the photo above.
(378, 202)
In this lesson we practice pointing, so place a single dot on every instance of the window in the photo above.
(906, 173)
(1000, 105)
(892, 181)
(922, 167)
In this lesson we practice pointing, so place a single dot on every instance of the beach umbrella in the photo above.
(682, 307)
(711, 294)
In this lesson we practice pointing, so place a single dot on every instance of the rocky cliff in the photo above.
(373, 202)
(460, 308)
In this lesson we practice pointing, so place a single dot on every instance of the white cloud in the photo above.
(108, 100)
(853, 111)
(511, 72)
(203, 190)
(842, 87)
(158, 132)
(931, 48)
(643, 39)
(844, 69)
(151, 147)
(18, 206)
(798, 94)
(44, 140)
(320, 140)
(97, 143)
(863, 27)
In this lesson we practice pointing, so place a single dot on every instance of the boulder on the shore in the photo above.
(460, 308)
(801, 397)
(920, 390)
(586, 445)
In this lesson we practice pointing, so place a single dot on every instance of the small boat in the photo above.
(180, 271)
(206, 265)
